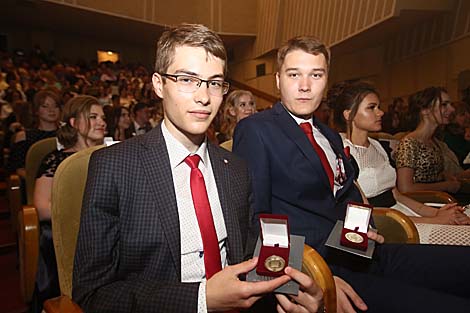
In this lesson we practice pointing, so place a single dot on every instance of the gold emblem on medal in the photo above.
(274, 263)
(353, 237)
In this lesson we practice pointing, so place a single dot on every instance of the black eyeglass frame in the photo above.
(174, 77)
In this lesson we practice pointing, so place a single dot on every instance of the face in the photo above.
(244, 107)
(369, 115)
(443, 111)
(301, 80)
(323, 113)
(463, 120)
(188, 115)
(96, 124)
(49, 111)
(124, 120)
(142, 115)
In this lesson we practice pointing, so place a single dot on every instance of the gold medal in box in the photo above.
(275, 245)
(356, 224)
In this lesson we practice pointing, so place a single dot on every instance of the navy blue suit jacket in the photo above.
(288, 177)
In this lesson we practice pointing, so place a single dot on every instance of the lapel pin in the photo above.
(225, 161)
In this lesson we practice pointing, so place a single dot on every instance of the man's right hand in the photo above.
(345, 294)
(224, 291)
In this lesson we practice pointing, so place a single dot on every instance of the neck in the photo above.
(47, 126)
(425, 130)
(190, 141)
(359, 137)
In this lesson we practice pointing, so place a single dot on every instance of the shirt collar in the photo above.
(300, 120)
(178, 152)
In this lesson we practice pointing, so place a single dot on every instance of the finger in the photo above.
(348, 291)
(308, 284)
(243, 267)
(280, 309)
(344, 306)
(263, 287)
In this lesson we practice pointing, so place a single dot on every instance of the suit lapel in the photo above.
(339, 152)
(156, 164)
(293, 131)
(221, 169)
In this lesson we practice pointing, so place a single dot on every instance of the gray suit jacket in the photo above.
(128, 249)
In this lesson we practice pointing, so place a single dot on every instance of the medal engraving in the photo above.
(274, 263)
(353, 237)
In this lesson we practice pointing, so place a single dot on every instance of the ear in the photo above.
(277, 80)
(232, 112)
(157, 82)
(346, 114)
(72, 121)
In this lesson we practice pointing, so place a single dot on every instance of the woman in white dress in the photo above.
(356, 112)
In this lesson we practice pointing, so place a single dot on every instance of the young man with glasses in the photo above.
(175, 243)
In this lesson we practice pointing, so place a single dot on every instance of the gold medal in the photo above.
(353, 237)
(274, 263)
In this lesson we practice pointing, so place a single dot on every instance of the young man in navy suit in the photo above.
(299, 168)
(144, 246)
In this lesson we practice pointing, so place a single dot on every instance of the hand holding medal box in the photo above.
(275, 245)
(356, 225)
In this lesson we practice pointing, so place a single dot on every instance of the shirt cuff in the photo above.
(201, 299)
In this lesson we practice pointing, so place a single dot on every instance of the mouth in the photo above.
(200, 114)
(304, 99)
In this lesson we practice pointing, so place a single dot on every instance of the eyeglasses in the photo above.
(186, 83)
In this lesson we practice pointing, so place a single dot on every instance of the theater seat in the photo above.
(66, 204)
(34, 157)
(28, 248)
(314, 266)
(431, 196)
(395, 226)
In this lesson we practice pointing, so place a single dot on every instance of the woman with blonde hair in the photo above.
(82, 126)
(238, 105)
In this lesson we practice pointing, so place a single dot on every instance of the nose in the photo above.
(380, 113)
(202, 93)
(304, 84)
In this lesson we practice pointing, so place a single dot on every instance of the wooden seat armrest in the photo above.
(431, 196)
(62, 304)
(28, 246)
(407, 225)
(14, 199)
(315, 266)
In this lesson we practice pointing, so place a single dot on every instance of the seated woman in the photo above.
(119, 126)
(356, 111)
(454, 133)
(238, 105)
(420, 155)
(83, 126)
(46, 108)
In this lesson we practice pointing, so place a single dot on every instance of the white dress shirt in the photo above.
(192, 252)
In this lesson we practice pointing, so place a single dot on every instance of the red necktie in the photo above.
(307, 129)
(212, 261)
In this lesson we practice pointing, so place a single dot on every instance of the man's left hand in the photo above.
(309, 299)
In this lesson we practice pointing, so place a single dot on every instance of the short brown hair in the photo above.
(41, 96)
(307, 44)
(77, 107)
(193, 35)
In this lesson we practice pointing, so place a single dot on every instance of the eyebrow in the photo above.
(187, 72)
(313, 70)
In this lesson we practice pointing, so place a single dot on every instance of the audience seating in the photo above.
(395, 226)
(314, 266)
(34, 157)
(14, 199)
(431, 196)
(28, 246)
